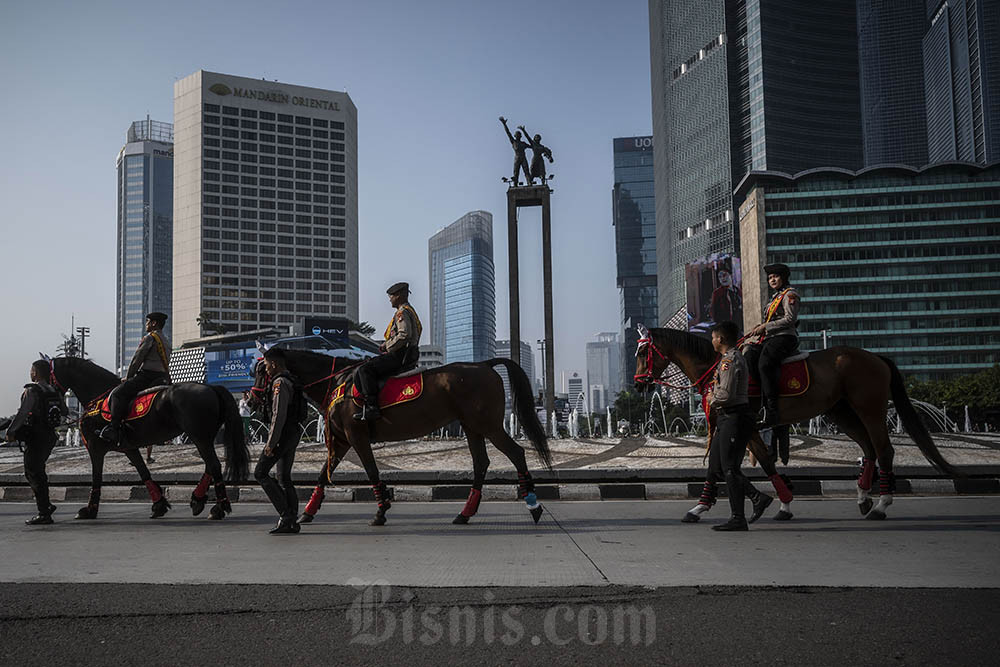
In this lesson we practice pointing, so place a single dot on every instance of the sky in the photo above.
(429, 79)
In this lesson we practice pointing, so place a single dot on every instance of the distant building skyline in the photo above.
(463, 289)
(604, 370)
(145, 168)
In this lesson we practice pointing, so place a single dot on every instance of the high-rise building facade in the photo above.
(266, 204)
(890, 50)
(961, 52)
(740, 85)
(463, 289)
(902, 262)
(527, 364)
(604, 369)
(634, 218)
(145, 232)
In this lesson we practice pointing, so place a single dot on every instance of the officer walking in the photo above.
(734, 426)
(150, 367)
(288, 411)
(42, 409)
(400, 351)
(779, 339)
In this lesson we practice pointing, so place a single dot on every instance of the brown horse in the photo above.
(470, 393)
(849, 386)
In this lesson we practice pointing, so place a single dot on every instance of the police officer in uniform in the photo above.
(779, 339)
(734, 424)
(42, 408)
(401, 350)
(150, 367)
(288, 411)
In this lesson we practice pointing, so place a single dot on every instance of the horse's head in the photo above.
(650, 360)
(257, 396)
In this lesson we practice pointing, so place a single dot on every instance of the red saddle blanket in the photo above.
(395, 391)
(793, 382)
(137, 410)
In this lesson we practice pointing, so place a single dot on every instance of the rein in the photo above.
(329, 379)
(648, 375)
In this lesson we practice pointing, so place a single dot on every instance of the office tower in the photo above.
(604, 370)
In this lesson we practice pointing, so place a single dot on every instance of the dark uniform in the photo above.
(781, 340)
(150, 367)
(734, 425)
(288, 408)
(402, 351)
(41, 406)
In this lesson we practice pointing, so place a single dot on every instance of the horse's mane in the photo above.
(687, 342)
(88, 365)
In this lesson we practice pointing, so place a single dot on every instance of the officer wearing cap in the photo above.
(400, 351)
(779, 339)
(150, 367)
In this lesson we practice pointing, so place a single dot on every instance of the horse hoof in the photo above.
(217, 513)
(197, 506)
(783, 515)
(160, 507)
(86, 513)
(866, 506)
(461, 519)
(377, 521)
(691, 517)
(306, 518)
(875, 515)
(536, 513)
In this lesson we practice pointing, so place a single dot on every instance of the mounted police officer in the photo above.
(779, 339)
(400, 351)
(288, 412)
(150, 367)
(42, 409)
(734, 425)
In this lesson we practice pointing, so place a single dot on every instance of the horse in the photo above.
(187, 407)
(470, 393)
(848, 385)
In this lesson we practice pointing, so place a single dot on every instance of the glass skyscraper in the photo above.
(902, 262)
(894, 120)
(145, 232)
(463, 290)
(635, 242)
(962, 80)
(740, 85)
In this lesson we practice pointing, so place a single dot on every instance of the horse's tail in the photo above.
(524, 407)
(911, 422)
(237, 454)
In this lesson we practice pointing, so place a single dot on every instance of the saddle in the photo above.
(400, 388)
(794, 378)
(136, 410)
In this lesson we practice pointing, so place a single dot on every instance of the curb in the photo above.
(810, 488)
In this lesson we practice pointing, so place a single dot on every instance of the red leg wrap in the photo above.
(155, 492)
(784, 495)
(315, 500)
(709, 493)
(886, 482)
(202, 488)
(867, 473)
(472, 504)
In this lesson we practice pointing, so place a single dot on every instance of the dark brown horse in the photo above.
(198, 410)
(470, 393)
(849, 386)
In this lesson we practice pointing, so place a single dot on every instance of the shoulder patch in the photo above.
(724, 365)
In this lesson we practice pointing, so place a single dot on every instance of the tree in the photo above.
(362, 328)
(980, 391)
(210, 326)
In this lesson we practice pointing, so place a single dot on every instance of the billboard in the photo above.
(334, 330)
(236, 374)
(714, 292)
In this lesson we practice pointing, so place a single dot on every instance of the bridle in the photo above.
(648, 378)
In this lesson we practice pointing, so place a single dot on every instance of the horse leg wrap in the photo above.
(315, 500)
(202, 488)
(382, 496)
(867, 473)
(155, 492)
(886, 482)
(784, 495)
(472, 504)
(95, 499)
(709, 493)
(525, 484)
(220, 492)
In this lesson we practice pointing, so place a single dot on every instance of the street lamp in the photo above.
(83, 332)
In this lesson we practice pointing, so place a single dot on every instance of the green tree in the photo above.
(363, 328)
(210, 326)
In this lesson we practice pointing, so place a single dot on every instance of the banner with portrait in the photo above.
(714, 292)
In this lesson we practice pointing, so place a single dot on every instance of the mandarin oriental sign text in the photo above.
(281, 98)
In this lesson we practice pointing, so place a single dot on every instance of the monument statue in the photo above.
(538, 152)
(520, 160)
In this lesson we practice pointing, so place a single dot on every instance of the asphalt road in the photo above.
(592, 582)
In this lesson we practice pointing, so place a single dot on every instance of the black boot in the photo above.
(285, 527)
(43, 518)
(735, 523)
(369, 412)
(111, 433)
(760, 503)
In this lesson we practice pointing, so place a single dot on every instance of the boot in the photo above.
(285, 527)
(111, 433)
(735, 523)
(760, 503)
(43, 518)
(369, 411)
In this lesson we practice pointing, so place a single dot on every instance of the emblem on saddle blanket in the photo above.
(138, 409)
(794, 380)
(395, 391)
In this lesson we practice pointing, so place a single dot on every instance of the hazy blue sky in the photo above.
(429, 80)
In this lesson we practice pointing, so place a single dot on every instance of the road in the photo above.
(825, 588)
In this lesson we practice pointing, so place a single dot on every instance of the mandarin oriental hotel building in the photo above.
(265, 204)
